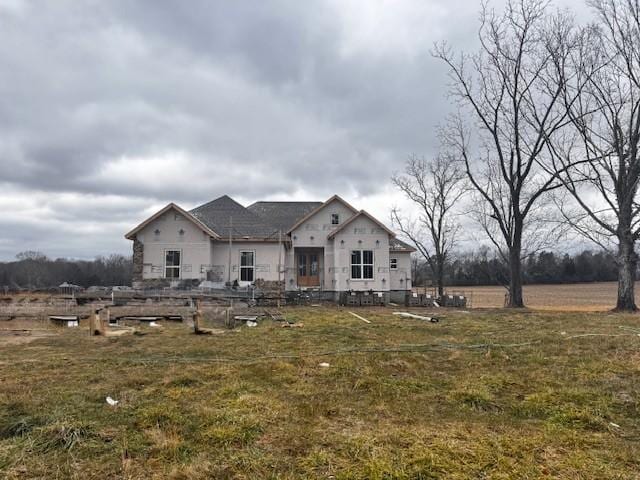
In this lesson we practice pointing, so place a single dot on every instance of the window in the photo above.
(247, 266)
(172, 263)
(335, 219)
(393, 263)
(362, 264)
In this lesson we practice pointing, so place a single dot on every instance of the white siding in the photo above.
(362, 234)
(266, 259)
(313, 233)
(401, 277)
(193, 243)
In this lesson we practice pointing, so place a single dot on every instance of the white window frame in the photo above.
(178, 267)
(362, 264)
(240, 267)
(337, 216)
(393, 264)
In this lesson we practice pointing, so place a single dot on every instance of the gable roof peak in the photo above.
(222, 199)
(172, 206)
(362, 213)
(320, 207)
(225, 215)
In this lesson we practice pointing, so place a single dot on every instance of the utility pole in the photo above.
(230, 245)
(279, 266)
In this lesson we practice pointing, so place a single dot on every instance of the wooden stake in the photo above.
(95, 324)
(197, 317)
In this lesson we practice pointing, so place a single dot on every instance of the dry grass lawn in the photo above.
(491, 394)
(585, 297)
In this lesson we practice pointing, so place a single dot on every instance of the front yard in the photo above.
(489, 394)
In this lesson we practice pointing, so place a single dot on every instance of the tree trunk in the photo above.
(627, 263)
(515, 299)
(440, 279)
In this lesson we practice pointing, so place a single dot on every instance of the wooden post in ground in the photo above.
(95, 324)
(91, 322)
(197, 317)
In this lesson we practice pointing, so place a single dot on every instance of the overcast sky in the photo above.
(111, 109)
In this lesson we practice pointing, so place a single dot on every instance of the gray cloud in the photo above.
(111, 109)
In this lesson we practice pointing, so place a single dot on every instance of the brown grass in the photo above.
(478, 395)
(585, 297)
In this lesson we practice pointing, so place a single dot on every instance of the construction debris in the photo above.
(275, 315)
(121, 331)
(361, 318)
(269, 292)
(130, 318)
(292, 325)
(417, 317)
(66, 320)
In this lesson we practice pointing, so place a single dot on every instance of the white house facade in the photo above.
(326, 246)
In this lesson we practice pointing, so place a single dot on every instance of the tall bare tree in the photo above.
(434, 188)
(604, 75)
(511, 106)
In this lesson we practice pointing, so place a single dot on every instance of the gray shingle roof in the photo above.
(261, 219)
(282, 215)
(217, 215)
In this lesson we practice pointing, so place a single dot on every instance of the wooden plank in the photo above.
(412, 315)
(361, 318)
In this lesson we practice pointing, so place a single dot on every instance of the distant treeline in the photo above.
(486, 268)
(34, 270)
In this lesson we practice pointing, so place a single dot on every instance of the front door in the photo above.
(308, 269)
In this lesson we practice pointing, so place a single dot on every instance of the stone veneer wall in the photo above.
(138, 258)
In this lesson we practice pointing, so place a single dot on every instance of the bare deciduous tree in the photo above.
(511, 107)
(604, 76)
(435, 188)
